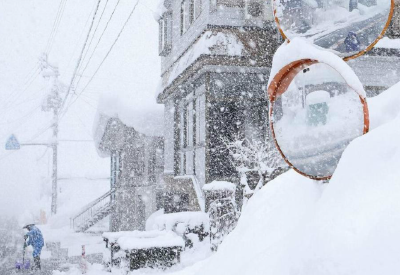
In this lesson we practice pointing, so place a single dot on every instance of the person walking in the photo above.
(352, 42)
(34, 238)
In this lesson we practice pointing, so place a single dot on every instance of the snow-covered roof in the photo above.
(133, 112)
(318, 97)
(210, 43)
(388, 43)
(128, 240)
(144, 117)
(299, 48)
(220, 186)
(161, 9)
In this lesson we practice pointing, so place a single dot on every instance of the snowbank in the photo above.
(220, 186)
(299, 49)
(272, 215)
(349, 226)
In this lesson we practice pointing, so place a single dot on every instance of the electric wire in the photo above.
(97, 44)
(80, 58)
(104, 59)
(95, 30)
(56, 24)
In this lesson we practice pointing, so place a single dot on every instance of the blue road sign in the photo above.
(12, 143)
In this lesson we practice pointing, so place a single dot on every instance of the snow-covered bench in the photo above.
(139, 249)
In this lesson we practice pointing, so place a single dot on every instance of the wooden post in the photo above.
(83, 260)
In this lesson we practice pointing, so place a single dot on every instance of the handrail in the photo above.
(93, 203)
(88, 214)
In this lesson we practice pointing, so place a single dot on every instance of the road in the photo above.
(367, 31)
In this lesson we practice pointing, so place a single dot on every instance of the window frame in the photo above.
(165, 34)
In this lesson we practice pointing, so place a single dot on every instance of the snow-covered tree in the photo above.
(260, 156)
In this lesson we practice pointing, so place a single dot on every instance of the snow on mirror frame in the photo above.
(319, 123)
(358, 25)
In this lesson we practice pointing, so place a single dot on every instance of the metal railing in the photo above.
(93, 212)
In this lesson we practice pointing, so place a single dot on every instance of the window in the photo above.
(184, 17)
(190, 11)
(189, 126)
(200, 120)
(165, 34)
(197, 8)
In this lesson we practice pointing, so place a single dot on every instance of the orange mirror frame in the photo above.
(279, 85)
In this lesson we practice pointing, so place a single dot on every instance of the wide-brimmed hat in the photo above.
(28, 226)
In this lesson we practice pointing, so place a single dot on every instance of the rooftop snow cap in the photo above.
(141, 113)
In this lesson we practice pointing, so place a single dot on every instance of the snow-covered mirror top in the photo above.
(346, 27)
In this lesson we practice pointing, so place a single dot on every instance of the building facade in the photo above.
(216, 57)
(135, 172)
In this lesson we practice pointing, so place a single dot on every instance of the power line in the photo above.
(18, 119)
(98, 42)
(56, 24)
(80, 35)
(56, 30)
(80, 57)
(95, 30)
(28, 82)
(104, 59)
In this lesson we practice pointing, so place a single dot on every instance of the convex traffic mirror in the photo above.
(314, 115)
(349, 28)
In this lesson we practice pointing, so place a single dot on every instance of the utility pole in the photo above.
(55, 158)
(53, 102)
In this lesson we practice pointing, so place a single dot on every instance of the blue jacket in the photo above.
(35, 238)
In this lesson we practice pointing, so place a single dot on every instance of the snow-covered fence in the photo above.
(222, 210)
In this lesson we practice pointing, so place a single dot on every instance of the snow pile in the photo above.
(220, 186)
(388, 43)
(128, 240)
(349, 226)
(269, 219)
(151, 220)
(182, 219)
(299, 49)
